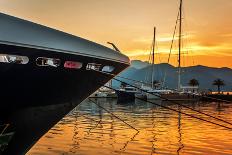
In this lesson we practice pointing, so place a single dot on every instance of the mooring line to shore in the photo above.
(113, 115)
(203, 96)
(184, 113)
(164, 98)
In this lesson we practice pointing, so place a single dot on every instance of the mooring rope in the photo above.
(203, 96)
(166, 99)
(165, 107)
(113, 115)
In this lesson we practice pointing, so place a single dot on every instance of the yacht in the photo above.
(126, 94)
(43, 67)
(183, 93)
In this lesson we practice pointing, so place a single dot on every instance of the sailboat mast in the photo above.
(153, 58)
(180, 37)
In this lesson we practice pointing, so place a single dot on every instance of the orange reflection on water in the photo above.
(89, 130)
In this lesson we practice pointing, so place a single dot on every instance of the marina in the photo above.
(88, 78)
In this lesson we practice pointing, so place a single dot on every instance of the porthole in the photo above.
(16, 59)
(72, 64)
(108, 69)
(93, 66)
(42, 61)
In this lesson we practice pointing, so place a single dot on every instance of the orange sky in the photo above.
(129, 24)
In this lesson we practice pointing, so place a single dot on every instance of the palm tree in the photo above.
(218, 82)
(193, 82)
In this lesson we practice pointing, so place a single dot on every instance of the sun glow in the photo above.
(207, 34)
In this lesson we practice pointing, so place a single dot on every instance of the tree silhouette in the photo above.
(218, 83)
(193, 82)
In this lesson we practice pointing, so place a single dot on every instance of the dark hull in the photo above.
(124, 96)
(31, 85)
(34, 98)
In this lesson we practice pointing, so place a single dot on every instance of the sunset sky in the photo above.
(129, 24)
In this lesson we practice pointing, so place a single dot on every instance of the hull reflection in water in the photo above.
(89, 129)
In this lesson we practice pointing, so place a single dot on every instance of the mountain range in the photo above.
(141, 71)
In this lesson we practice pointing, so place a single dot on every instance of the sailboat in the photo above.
(152, 91)
(181, 93)
(155, 91)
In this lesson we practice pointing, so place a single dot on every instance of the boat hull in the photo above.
(34, 98)
(26, 85)
(180, 97)
(150, 96)
(124, 96)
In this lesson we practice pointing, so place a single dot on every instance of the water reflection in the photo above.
(89, 130)
(181, 145)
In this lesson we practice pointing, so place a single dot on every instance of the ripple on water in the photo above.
(89, 130)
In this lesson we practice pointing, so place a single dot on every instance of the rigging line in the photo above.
(134, 80)
(113, 114)
(188, 114)
(149, 59)
(173, 37)
(169, 55)
(166, 99)
(184, 113)
(207, 97)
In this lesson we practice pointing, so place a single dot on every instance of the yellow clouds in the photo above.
(129, 24)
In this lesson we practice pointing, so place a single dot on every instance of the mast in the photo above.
(153, 59)
(179, 58)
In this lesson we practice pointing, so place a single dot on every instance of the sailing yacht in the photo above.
(153, 90)
(181, 94)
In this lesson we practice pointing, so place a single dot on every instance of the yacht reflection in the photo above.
(220, 107)
(24, 127)
(75, 139)
(181, 145)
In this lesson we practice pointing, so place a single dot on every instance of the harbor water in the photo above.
(90, 130)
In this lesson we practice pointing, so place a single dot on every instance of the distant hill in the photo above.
(205, 75)
(139, 64)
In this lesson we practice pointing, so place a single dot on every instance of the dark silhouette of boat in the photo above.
(39, 67)
(126, 94)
